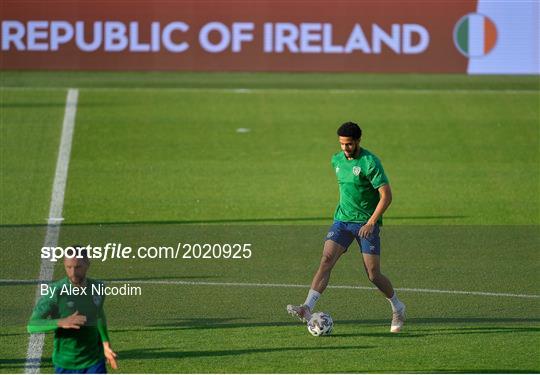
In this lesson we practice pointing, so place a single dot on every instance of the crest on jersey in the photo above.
(70, 304)
(356, 170)
(337, 169)
(97, 299)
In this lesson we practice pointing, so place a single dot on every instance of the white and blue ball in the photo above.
(320, 324)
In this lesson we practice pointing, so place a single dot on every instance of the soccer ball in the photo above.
(320, 324)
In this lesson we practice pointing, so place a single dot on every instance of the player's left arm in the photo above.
(385, 198)
(110, 355)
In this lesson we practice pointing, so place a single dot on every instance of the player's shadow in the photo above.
(471, 320)
(414, 327)
(422, 321)
(166, 353)
(415, 323)
(440, 332)
(207, 323)
(203, 323)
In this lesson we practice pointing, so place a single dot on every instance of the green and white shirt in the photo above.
(358, 181)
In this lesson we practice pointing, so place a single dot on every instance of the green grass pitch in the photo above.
(157, 159)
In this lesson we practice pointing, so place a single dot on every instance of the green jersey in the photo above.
(358, 181)
(73, 348)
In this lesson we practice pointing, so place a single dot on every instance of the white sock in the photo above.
(312, 298)
(395, 302)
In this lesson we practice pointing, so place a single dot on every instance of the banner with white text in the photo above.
(472, 36)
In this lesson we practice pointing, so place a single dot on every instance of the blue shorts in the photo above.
(344, 233)
(98, 368)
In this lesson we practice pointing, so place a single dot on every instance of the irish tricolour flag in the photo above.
(475, 35)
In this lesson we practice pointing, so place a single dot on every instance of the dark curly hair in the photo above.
(350, 129)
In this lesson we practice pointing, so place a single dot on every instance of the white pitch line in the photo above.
(270, 285)
(35, 343)
(242, 91)
(256, 90)
(265, 285)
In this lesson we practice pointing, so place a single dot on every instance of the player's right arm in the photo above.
(41, 323)
(74, 321)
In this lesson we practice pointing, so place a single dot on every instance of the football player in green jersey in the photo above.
(76, 315)
(364, 195)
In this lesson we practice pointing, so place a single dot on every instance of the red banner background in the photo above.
(437, 17)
